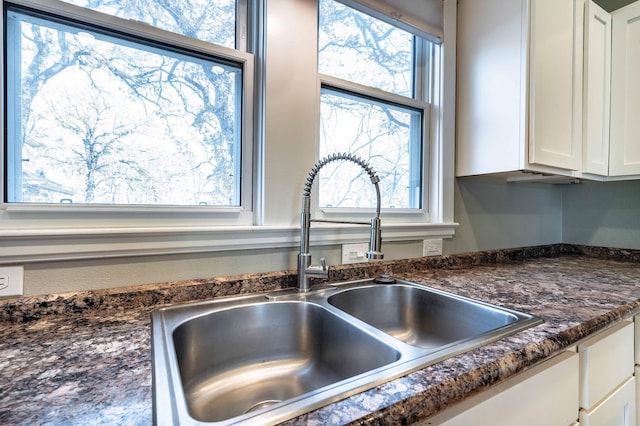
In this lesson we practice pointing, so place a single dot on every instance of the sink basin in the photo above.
(243, 359)
(420, 316)
(266, 358)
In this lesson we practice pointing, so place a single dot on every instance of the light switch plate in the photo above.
(11, 281)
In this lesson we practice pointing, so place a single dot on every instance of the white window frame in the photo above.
(426, 89)
(15, 217)
(236, 215)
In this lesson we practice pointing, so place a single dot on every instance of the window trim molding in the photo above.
(22, 246)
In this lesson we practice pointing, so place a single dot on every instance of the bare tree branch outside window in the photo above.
(112, 121)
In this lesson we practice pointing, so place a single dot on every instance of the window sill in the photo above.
(46, 245)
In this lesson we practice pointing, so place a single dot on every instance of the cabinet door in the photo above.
(555, 86)
(597, 89)
(491, 86)
(543, 395)
(618, 409)
(625, 92)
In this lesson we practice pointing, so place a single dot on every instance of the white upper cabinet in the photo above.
(519, 86)
(625, 92)
(550, 86)
(597, 89)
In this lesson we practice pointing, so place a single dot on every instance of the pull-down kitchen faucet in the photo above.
(305, 269)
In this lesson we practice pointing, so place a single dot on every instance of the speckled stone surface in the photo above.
(85, 358)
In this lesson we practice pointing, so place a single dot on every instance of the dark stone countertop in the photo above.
(85, 358)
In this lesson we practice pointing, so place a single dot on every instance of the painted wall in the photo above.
(602, 214)
(77, 275)
(494, 214)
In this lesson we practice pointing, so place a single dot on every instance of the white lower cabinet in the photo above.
(594, 386)
(544, 395)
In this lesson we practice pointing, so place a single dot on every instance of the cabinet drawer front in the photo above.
(606, 361)
(618, 409)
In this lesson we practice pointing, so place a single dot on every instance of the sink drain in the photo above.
(262, 404)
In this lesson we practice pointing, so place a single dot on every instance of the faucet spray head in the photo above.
(375, 241)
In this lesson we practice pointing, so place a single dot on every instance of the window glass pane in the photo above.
(387, 136)
(209, 20)
(359, 48)
(95, 119)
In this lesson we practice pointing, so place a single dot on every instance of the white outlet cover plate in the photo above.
(432, 247)
(354, 253)
(11, 281)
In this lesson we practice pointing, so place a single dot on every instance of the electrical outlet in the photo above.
(432, 247)
(354, 253)
(11, 280)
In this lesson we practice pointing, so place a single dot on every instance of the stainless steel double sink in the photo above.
(262, 359)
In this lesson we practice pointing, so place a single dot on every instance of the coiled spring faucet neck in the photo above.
(305, 269)
(346, 157)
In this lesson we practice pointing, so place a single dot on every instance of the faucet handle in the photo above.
(318, 271)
